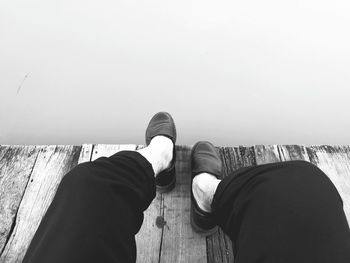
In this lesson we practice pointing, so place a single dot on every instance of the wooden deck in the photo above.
(29, 176)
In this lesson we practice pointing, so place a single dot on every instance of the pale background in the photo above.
(233, 72)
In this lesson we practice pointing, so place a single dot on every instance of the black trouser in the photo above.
(96, 212)
(285, 212)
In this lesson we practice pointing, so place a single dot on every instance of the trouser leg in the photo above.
(96, 212)
(283, 212)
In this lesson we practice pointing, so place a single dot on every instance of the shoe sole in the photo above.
(167, 188)
(198, 229)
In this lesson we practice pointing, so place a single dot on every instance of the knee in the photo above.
(302, 163)
(305, 163)
(304, 166)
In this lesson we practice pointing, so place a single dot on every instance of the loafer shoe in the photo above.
(205, 159)
(163, 124)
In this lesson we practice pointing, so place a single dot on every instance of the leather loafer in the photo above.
(205, 159)
(163, 124)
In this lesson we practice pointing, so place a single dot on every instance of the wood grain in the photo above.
(267, 154)
(219, 245)
(85, 153)
(52, 163)
(293, 152)
(16, 164)
(148, 239)
(334, 161)
(180, 243)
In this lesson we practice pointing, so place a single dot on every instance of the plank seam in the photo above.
(162, 208)
(92, 151)
(13, 225)
(279, 153)
(206, 248)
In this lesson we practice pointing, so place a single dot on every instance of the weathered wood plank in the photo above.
(219, 248)
(247, 155)
(180, 243)
(85, 153)
(149, 238)
(3, 150)
(266, 154)
(293, 152)
(335, 163)
(219, 245)
(346, 149)
(16, 164)
(106, 150)
(52, 163)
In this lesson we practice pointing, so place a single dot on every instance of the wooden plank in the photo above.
(3, 150)
(180, 243)
(293, 152)
(106, 150)
(219, 248)
(334, 161)
(247, 155)
(16, 164)
(219, 245)
(346, 149)
(85, 153)
(52, 163)
(266, 154)
(148, 239)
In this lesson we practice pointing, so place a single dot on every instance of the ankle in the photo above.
(159, 153)
(162, 147)
(204, 186)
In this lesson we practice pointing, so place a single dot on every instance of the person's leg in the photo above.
(283, 212)
(98, 208)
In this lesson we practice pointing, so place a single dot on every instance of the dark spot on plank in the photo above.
(160, 222)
